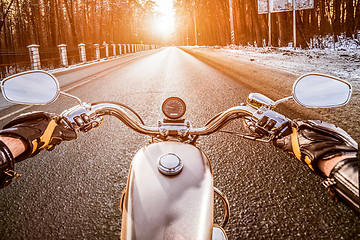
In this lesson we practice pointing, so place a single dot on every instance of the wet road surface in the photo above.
(74, 191)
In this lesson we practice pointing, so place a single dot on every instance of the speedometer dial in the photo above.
(174, 107)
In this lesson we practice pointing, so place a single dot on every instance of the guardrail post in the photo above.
(132, 48)
(120, 52)
(114, 49)
(34, 56)
(124, 47)
(106, 49)
(63, 55)
(82, 52)
(128, 48)
(97, 51)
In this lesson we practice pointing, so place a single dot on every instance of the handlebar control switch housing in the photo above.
(81, 119)
(257, 100)
(270, 123)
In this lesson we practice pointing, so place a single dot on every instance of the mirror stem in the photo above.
(84, 105)
(282, 100)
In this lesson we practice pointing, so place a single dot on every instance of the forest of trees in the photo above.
(329, 17)
(52, 22)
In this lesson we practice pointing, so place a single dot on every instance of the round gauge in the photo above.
(174, 108)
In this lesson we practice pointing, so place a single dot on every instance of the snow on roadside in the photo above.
(343, 62)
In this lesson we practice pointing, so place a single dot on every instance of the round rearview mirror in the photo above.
(320, 91)
(32, 87)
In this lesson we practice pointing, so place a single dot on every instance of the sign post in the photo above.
(231, 23)
(269, 23)
(294, 24)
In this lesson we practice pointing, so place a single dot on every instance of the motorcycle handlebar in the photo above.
(95, 112)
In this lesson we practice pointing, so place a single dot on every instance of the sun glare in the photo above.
(164, 23)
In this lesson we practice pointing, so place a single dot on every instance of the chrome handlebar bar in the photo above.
(82, 118)
(218, 122)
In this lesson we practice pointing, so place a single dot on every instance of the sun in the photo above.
(164, 22)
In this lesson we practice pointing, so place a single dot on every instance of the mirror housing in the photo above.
(321, 91)
(32, 87)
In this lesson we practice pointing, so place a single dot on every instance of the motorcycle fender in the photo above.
(158, 206)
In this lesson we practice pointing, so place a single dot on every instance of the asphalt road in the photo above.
(74, 191)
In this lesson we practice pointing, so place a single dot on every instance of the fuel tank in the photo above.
(160, 206)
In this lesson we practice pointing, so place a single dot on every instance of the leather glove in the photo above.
(7, 166)
(312, 140)
(38, 130)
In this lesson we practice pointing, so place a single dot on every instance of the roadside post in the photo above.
(114, 49)
(97, 51)
(63, 55)
(106, 49)
(232, 23)
(120, 52)
(34, 56)
(294, 22)
(82, 52)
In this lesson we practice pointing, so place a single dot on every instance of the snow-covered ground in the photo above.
(342, 62)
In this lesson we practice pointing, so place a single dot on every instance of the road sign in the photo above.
(283, 5)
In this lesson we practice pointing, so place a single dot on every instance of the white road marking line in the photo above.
(13, 113)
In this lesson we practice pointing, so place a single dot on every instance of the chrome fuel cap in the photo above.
(170, 164)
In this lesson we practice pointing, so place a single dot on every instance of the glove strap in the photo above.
(45, 139)
(296, 148)
(7, 165)
(7, 156)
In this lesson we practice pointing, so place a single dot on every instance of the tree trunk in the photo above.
(350, 21)
(52, 23)
(70, 13)
(323, 20)
(336, 21)
(357, 16)
(284, 28)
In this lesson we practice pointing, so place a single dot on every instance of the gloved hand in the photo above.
(7, 166)
(312, 140)
(38, 130)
